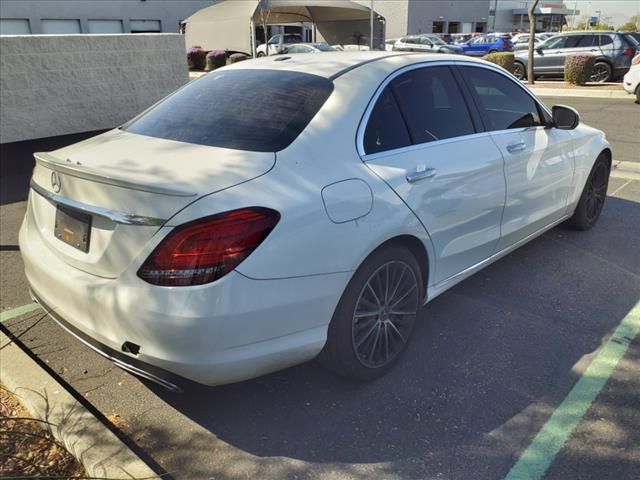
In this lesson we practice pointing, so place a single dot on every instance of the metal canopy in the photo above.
(228, 24)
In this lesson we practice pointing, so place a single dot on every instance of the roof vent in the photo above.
(282, 59)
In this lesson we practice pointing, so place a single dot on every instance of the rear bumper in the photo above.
(230, 330)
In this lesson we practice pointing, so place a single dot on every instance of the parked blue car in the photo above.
(479, 46)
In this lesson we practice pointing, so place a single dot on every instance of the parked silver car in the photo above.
(425, 44)
(613, 51)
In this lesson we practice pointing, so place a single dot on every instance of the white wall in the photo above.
(61, 84)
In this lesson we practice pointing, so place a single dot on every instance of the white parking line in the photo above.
(536, 459)
(16, 312)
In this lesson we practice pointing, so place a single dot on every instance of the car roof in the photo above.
(334, 64)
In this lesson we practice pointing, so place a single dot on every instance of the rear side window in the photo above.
(502, 102)
(432, 104)
(254, 110)
(386, 129)
(588, 41)
(605, 40)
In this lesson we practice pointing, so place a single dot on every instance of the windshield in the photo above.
(323, 47)
(254, 110)
(437, 40)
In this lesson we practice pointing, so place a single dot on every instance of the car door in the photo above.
(573, 44)
(419, 136)
(547, 54)
(539, 160)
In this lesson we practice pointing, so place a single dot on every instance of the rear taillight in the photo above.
(629, 52)
(207, 249)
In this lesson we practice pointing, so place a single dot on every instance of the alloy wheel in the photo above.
(600, 73)
(596, 192)
(518, 71)
(384, 314)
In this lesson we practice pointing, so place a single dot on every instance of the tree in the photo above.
(532, 33)
(628, 27)
(264, 10)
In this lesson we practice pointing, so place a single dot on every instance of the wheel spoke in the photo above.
(403, 296)
(375, 342)
(395, 329)
(375, 296)
(365, 314)
(398, 283)
(366, 335)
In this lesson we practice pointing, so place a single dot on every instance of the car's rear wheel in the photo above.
(493, 50)
(593, 196)
(519, 71)
(375, 315)
(601, 72)
(260, 54)
(638, 94)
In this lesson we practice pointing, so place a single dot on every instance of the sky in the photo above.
(615, 12)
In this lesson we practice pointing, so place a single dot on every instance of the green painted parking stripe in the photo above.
(16, 312)
(537, 458)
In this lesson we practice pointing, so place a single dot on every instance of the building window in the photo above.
(105, 26)
(145, 26)
(60, 26)
(14, 26)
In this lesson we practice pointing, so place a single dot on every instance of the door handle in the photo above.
(420, 173)
(516, 147)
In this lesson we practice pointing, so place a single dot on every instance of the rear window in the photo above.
(254, 110)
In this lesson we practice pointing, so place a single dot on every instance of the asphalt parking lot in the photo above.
(490, 361)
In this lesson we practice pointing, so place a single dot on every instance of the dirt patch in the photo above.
(27, 448)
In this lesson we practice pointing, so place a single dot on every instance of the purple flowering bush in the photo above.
(215, 59)
(196, 58)
(577, 68)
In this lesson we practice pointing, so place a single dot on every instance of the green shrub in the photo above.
(215, 59)
(577, 68)
(238, 57)
(196, 58)
(502, 59)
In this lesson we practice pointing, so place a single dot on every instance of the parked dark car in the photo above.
(613, 52)
(484, 44)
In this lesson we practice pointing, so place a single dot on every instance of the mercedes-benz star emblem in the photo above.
(56, 182)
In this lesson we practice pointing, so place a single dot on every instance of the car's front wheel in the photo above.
(601, 72)
(260, 54)
(593, 196)
(519, 71)
(374, 318)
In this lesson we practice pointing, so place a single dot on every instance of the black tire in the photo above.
(350, 332)
(493, 50)
(638, 94)
(601, 73)
(260, 54)
(593, 196)
(519, 71)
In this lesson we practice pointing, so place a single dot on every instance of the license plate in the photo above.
(73, 227)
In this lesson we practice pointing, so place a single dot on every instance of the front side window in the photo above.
(556, 42)
(275, 39)
(254, 110)
(432, 104)
(503, 104)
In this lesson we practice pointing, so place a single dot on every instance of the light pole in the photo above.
(371, 21)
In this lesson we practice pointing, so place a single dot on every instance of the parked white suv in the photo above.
(631, 81)
(277, 43)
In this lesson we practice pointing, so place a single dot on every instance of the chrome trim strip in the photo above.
(125, 366)
(437, 63)
(114, 216)
(49, 161)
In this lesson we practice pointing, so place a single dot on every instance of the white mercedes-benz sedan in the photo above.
(285, 208)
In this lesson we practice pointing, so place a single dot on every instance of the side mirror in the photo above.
(565, 118)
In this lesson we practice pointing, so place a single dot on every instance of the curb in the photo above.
(629, 170)
(563, 92)
(98, 449)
